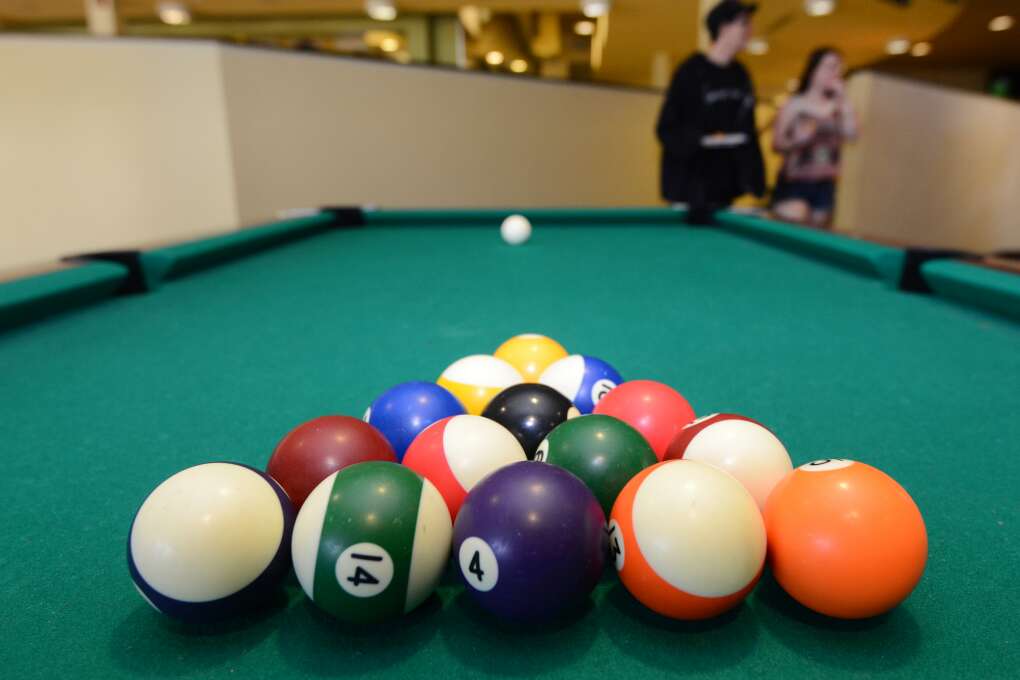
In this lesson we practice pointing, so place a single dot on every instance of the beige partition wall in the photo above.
(107, 144)
(117, 143)
(308, 131)
(933, 166)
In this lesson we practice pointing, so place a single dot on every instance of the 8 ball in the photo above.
(530, 411)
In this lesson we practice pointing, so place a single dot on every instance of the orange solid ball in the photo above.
(530, 353)
(845, 539)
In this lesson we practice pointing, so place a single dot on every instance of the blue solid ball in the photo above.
(582, 379)
(402, 412)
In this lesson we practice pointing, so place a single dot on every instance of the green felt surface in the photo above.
(990, 289)
(858, 255)
(101, 405)
(35, 297)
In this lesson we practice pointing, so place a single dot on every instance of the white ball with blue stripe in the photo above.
(211, 541)
(582, 379)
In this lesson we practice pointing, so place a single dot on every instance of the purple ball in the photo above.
(530, 541)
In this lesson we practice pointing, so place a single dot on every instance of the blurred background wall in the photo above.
(109, 144)
(173, 120)
(313, 131)
(933, 166)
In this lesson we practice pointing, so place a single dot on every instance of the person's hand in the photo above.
(804, 130)
(838, 89)
(819, 108)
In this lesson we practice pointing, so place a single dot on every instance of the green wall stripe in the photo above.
(35, 297)
(171, 262)
(990, 289)
(865, 257)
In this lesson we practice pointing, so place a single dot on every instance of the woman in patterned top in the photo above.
(809, 131)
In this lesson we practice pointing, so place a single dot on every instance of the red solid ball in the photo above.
(314, 450)
(655, 410)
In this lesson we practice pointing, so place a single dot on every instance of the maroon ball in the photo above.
(314, 450)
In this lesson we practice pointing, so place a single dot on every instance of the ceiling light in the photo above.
(494, 58)
(1002, 23)
(921, 49)
(758, 46)
(595, 8)
(173, 13)
(518, 66)
(819, 8)
(377, 38)
(389, 44)
(897, 46)
(584, 27)
(381, 10)
(473, 18)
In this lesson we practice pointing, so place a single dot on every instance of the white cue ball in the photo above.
(515, 229)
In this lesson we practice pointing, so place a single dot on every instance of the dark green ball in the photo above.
(603, 451)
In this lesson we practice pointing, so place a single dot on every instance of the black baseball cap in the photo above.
(725, 12)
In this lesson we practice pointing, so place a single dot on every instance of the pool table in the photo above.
(127, 367)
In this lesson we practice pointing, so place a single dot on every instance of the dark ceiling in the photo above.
(967, 42)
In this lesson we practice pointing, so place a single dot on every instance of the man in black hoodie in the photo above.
(710, 151)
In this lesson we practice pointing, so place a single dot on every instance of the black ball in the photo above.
(530, 411)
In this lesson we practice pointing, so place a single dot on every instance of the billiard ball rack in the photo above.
(683, 506)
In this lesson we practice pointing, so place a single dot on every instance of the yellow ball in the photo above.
(530, 353)
(476, 379)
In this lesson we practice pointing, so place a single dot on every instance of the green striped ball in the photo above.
(371, 542)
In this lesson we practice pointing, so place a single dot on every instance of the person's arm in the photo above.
(790, 133)
(679, 126)
(755, 158)
(845, 111)
(848, 120)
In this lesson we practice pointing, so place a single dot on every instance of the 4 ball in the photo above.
(530, 542)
